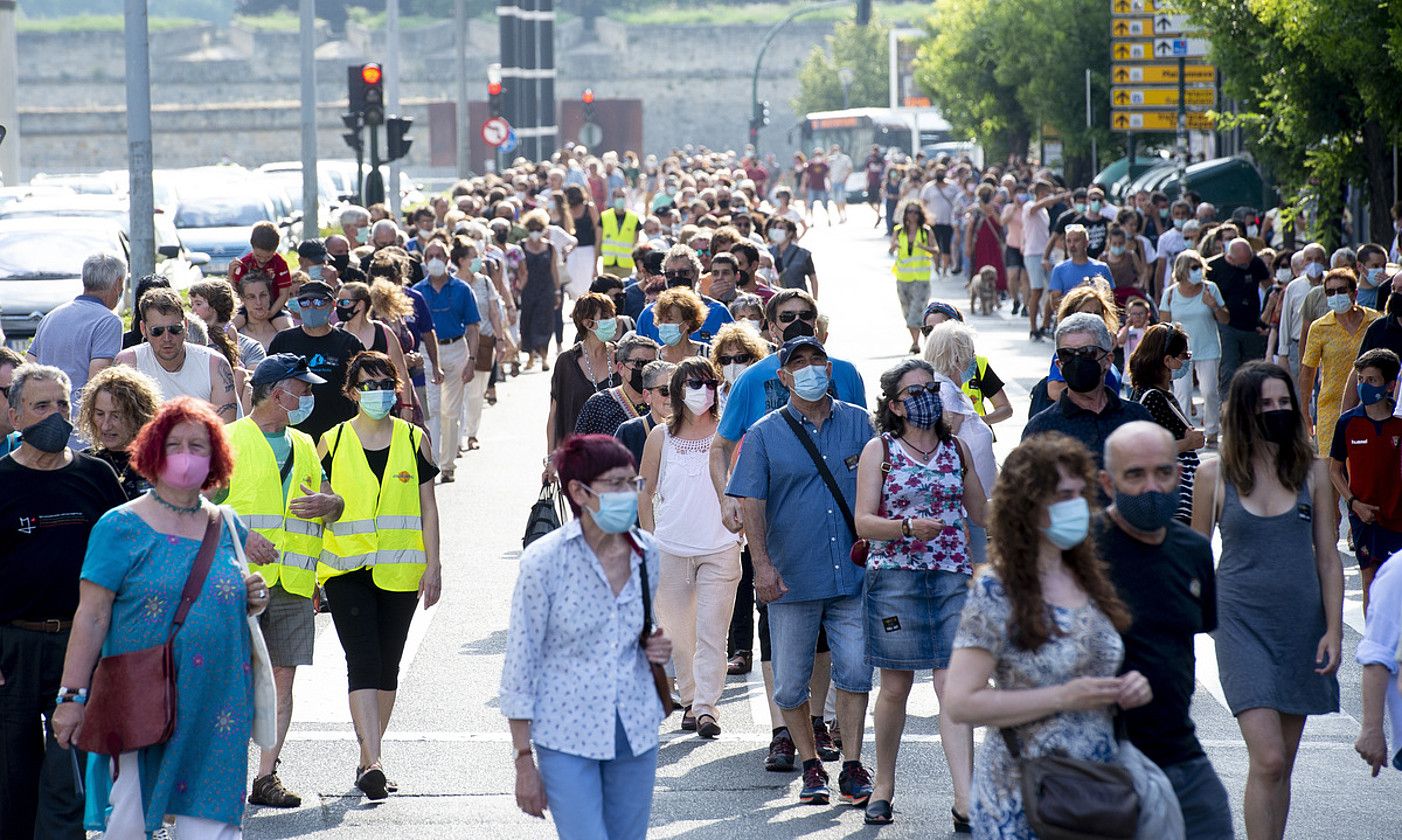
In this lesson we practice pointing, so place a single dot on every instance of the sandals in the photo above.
(372, 783)
(961, 823)
(269, 792)
(706, 727)
(878, 812)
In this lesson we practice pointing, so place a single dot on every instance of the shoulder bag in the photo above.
(860, 548)
(659, 675)
(1076, 799)
(264, 690)
(132, 698)
(546, 514)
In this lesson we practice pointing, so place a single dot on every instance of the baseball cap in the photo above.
(314, 289)
(793, 344)
(313, 250)
(943, 308)
(280, 366)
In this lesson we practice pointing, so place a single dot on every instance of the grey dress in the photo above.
(1270, 613)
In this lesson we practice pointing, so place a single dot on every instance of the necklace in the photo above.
(922, 452)
(589, 367)
(177, 508)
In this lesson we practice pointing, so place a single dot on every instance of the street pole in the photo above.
(392, 95)
(460, 41)
(311, 194)
(1182, 124)
(9, 94)
(141, 205)
(769, 38)
(1090, 125)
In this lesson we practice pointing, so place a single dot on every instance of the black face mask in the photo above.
(1082, 375)
(48, 435)
(1278, 426)
(345, 313)
(340, 261)
(1149, 511)
(797, 328)
(500, 237)
(635, 380)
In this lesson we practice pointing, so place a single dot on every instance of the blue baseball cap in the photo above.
(280, 366)
(793, 344)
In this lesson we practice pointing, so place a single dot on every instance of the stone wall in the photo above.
(234, 93)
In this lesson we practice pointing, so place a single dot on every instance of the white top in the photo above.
(1289, 329)
(975, 433)
(485, 291)
(1036, 231)
(1379, 646)
(1171, 244)
(939, 201)
(192, 380)
(686, 512)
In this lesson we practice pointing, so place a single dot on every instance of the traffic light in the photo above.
(764, 112)
(352, 136)
(397, 140)
(494, 90)
(588, 99)
(367, 90)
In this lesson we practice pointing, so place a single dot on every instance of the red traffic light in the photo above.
(494, 88)
(371, 74)
(588, 96)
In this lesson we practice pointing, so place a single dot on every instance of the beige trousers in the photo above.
(695, 598)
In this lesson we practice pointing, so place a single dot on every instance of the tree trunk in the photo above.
(1377, 157)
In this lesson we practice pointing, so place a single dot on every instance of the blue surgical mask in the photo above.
(305, 403)
(376, 404)
(293, 306)
(1178, 223)
(1182, 371)
(620, 204)
(1080, 206)
(476, 265)
(617, 511)
(1070, 522)
(671, 334)
(316, 318)
(1117, 250)
(969, 372)
(1095, 207)
(1195, 276)
(607, 328)
(1375, 276)
(924, 410)
(1338, 303)
(1370, 394)
(811, 382)
(362, 236)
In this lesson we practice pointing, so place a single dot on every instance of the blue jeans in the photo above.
(599, 800)
(1206, 812)
(793, 638)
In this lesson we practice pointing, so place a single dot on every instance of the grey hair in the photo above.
(384, 225)
(746, 301)
(354, 215)
(103, 271)
(950, 348)
(1343, 258)
(26, 373)
(1088, 323)
(633, 341)
(683, 252)
(1075, 230)
(263, 390)
(655, 373)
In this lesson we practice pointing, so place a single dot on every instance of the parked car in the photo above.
(41, 265)
(1226, 182)
(217, 219)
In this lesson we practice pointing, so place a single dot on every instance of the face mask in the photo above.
(619, 204)
(1070, 522)
(534, 235)
(1182, 371)
(293, 306)
(1117, 250)
(340, 261)
(1375, 276)
(1338, 303)
(424, 234)
(1095, 207)
(778, 235)
(1080, 206)
(48, 435)
(1251, 230)
(617, 511)
(811, 383)
(1195, 276)
(1082, 375)
(476, 265)
(436, 267)
(1149, 511)
(1178, 223)
(732, 371)
(799, 327)
(671, 334)
(606, 329)
(753, 324)
(1371, 394)
(699, 400)
(768, 275)
(1278, 426)
(362, 236)
(969, 372)
(635, 380)
(345, 313)
(1163, 212)
(316, 318)
(376, 404)
(185, 471)
(1022, 196)
(303, 409)
(923, 410)
(500, 236)
(1314, 270)
(676, 229)
(1283, 275)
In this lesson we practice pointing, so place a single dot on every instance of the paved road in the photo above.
(448, 745)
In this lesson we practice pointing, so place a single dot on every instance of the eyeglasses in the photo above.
(617, 485)
(375, 385)
(1068, 354)
(1337, 290)
(313, 303)
(915, 390)
(173, 329)
(809, 315)
(737, 359)
(698, 384)
(347, 303)
(664, 390)
(636, 364)
(684, 276)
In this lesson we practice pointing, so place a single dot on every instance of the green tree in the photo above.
(864, 53)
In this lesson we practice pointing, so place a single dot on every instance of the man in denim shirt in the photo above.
(801, 560)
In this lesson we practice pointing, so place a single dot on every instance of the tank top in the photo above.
(934, 490)
(686, 512)
(192, 380)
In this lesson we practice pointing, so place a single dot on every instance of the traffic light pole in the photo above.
(764, 46)
(374, 181)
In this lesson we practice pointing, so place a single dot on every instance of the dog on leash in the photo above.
(983, 291)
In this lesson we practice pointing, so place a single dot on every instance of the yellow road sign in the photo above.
(1162, 74)
(1132, 50)
(1159, 97)
(1157, 121)
(1133, 7)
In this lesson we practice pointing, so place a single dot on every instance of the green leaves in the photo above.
(863, 53)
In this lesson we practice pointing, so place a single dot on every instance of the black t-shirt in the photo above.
(1097, 231)
(327, 355)
(989, 384)
(1384, 332)
(1171, 592)
(1241, 289)
(133, 483)
(45, 519)
(378, 459)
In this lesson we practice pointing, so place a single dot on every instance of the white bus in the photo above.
(856, 130)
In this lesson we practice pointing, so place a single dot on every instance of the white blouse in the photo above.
(573, 662)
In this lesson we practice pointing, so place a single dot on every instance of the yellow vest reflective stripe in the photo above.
(975, 392)
(255, 494)
(912, 264)
(381, 528)
(617, 247)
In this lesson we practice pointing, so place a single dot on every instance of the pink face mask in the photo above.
(184, 471)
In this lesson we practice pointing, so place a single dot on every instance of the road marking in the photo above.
(319, 693)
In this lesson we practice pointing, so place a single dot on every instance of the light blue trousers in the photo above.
(599, 800)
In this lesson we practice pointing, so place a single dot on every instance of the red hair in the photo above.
(584, 458)
(148, 451)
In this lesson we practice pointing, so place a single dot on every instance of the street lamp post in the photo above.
(844, 75)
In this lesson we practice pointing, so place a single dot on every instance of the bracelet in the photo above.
(80, 699)
(906, 529)
(65, 691)
(524, 752)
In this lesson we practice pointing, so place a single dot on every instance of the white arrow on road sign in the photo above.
(495, 131)
(1167, 25)
(1180, 47)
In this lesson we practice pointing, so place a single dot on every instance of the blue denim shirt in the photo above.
(808, 540)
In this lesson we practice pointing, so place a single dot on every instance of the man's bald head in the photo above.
(1139, 442)
(1239, 251)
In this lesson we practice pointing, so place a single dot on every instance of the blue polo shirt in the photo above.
(454, 309)
(807, 538)
(758, 391)
(1067, 275)
(717, 317)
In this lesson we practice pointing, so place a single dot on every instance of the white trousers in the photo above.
(476, 395)
(445, 403)
(695, 599)
(128, 820)
(1206, 371)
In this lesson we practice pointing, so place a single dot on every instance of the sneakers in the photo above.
(269, 792)
(781, 753)
(854, 784)
(815, 785)
(827, 750)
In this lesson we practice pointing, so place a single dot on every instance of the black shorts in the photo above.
(944, 237)
(1012, 257)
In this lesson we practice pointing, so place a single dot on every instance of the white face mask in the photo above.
(732, 371)
(752, 323)
(699, 400)
(436, 267)
(535, 235)
(778, 235)
(1283, 275)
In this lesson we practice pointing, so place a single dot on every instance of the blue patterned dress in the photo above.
(201, 771)
(1088, 646)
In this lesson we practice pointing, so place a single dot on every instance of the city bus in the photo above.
(856, 130)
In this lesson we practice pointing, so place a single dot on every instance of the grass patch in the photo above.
(376, 20)
(283, 20)
(762, 14)
(99, 23)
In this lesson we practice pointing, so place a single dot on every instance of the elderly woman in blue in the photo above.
(577, 686)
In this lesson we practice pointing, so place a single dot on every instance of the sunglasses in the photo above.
(1338, 290)
(737, 359)
(664, 390)
(915, 390)
(347, 303)
(789, 317)
(927, 329)
(679, 276)
(173, 329)
(1069, 354)
(375, 385)
(313, 303)
(698, 384)
(636, 364)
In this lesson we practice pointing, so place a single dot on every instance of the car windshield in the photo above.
(221, 211)
(29, 254)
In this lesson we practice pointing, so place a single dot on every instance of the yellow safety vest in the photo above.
(255, 494)
(382, 526)
(618, 244)
(975, 392)
(912, 264)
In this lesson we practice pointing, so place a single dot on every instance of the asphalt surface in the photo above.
(448, 745)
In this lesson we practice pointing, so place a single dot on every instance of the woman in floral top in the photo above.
(914, 496)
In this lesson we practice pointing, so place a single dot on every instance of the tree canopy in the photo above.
(863, 52)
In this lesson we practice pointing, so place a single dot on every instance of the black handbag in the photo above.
(547, 514)
(1076, 799)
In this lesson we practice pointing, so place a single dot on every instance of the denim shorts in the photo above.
(793, 638)
(816, 196)
(911, 617)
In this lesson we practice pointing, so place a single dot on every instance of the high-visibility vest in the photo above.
(618, 243)
(381, 527)
(975, 391)
(912, 264)
(255, 494)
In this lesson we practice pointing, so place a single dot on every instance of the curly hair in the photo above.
(148, 451)
(1098, 291)
(389, 301)
(733, 336)
(1025, 486)
(685, 304)
(136, 395)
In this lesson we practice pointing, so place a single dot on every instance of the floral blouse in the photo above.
(924, 491)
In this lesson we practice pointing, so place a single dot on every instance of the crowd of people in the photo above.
(271, 444)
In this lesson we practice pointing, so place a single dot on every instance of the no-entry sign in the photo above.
(495, 131)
